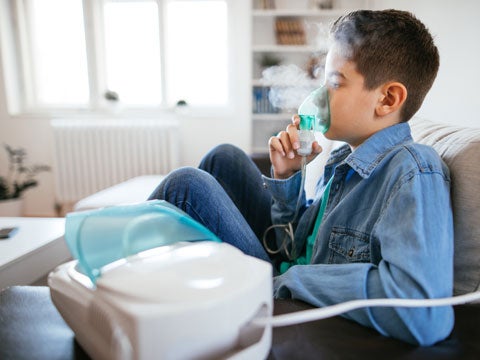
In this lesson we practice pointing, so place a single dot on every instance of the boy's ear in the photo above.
(393, 96)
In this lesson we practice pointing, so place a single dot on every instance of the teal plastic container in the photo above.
(314, 111)
(99, 237)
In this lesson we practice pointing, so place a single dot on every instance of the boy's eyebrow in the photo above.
(336, 73)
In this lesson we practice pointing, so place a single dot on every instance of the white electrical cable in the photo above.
(337, 309)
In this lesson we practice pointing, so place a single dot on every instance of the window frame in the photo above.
(17, 68)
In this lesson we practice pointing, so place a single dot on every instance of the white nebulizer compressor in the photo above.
(149, 282)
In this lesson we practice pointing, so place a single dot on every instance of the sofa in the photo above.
(30, 326)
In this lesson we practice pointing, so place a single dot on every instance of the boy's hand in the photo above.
(283, 151)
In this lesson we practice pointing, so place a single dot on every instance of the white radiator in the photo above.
(91, 155)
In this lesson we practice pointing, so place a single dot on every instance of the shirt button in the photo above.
(350, 252)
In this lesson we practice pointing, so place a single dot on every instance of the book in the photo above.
(290, 31)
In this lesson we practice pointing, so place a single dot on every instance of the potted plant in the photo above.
(18, 178)
(269, 60)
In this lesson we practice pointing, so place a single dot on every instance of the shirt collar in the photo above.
(369, 154)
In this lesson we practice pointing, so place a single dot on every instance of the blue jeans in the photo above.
(226, 194)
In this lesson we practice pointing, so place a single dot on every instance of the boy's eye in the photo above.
(333, 82)
(333, 85)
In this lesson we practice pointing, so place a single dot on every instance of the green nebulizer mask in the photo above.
(314, 115)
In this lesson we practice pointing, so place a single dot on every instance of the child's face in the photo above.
(352, 106)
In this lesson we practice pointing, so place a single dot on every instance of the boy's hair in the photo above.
(390, 45)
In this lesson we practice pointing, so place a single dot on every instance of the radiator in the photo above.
(91, 155)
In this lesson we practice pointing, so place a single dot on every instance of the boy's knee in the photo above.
(220, 154)
(223, 149)
(183, 176)
(177, 179)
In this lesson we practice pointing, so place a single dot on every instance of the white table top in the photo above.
(32, 234)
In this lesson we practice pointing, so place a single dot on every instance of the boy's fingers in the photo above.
(285, 140)
(296, 120)
(317, 149)
(275, 145)
(292, 131)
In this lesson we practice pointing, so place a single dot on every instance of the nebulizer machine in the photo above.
(147, 281)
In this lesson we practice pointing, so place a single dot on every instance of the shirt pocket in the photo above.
(348, 246)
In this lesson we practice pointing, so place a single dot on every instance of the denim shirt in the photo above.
(387, 232)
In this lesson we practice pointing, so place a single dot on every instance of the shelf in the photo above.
(298, 12)
(271, 116)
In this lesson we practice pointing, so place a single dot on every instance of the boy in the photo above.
(387, 229)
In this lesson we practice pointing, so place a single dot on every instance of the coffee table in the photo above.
(33, 251)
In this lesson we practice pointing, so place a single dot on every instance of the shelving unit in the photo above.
(295, 33)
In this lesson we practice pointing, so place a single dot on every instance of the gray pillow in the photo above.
(459, 147)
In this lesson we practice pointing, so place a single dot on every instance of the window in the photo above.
(185, 52)
(58, 58)
(139, 54)
(132, 52)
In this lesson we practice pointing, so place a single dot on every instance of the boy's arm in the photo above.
(416, 239)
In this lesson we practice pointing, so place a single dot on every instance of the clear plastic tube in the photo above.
(288, 238)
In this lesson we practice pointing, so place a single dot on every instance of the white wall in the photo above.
(453, 98)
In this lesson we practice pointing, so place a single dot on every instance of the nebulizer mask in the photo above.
(314, 113)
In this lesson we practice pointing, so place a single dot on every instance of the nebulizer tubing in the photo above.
(288, 228)
(314, 113)
(338, 309)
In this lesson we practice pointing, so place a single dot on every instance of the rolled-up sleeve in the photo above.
(285, 197)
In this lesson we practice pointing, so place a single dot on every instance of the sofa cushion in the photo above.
(459, 147)
(128, 192)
